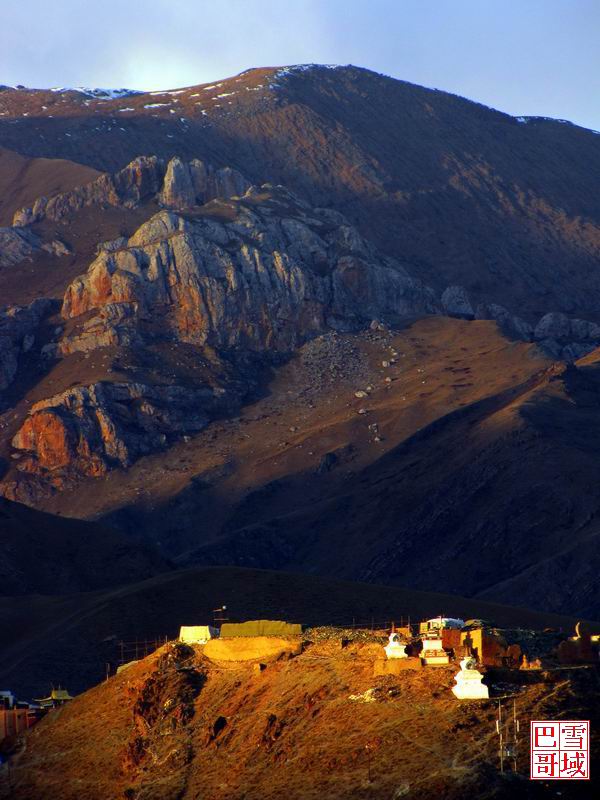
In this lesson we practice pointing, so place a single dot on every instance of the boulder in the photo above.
(551, 348)
(576, 350)
(509, 323)
(582, 330)
(57, 248)
(455, 301)
(16, 245)
(18, 328)
(554, 325)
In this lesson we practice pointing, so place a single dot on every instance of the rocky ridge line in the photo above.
(177, 184)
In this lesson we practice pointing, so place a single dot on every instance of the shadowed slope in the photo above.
(47, 554)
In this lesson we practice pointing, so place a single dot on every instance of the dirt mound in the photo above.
(253, 648)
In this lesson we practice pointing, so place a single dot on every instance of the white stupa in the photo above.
(395, 648)
(469, 684)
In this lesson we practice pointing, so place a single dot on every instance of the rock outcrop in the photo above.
(456, 302)
(556, 325)
(176, 183)
(17, 245)
(564, 338)
(186, 185)
(87, 430)
(18, 327)
(257, 274)
(557, 335)
(509, 323)
(140, 179)
(249, 274)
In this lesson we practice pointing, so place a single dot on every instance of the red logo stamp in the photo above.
(560, 750)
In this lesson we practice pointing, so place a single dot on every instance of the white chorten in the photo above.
(395, 648)
(469, 684)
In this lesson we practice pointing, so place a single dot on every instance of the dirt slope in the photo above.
(22, 180)
(307, 408)
(449, 482)
(496, 498)
(179, 725)
(45, 554)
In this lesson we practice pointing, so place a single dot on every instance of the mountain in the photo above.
(505, 206)
(305, 318)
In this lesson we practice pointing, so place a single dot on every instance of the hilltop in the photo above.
(178, 724)
(69, 639)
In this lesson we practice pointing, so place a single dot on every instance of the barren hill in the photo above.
(47, 554)
(179, 724)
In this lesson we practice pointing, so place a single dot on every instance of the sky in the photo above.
(525, 57)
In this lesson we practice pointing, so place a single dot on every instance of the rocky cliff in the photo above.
(88, 429)
(176, 184)
(18, 327)
(260, 272)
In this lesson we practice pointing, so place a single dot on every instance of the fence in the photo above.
(139, 648)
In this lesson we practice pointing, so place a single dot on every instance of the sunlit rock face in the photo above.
(247, 273)
(107, 424)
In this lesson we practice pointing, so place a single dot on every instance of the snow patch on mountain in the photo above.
(97, 93)
(525, 120)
